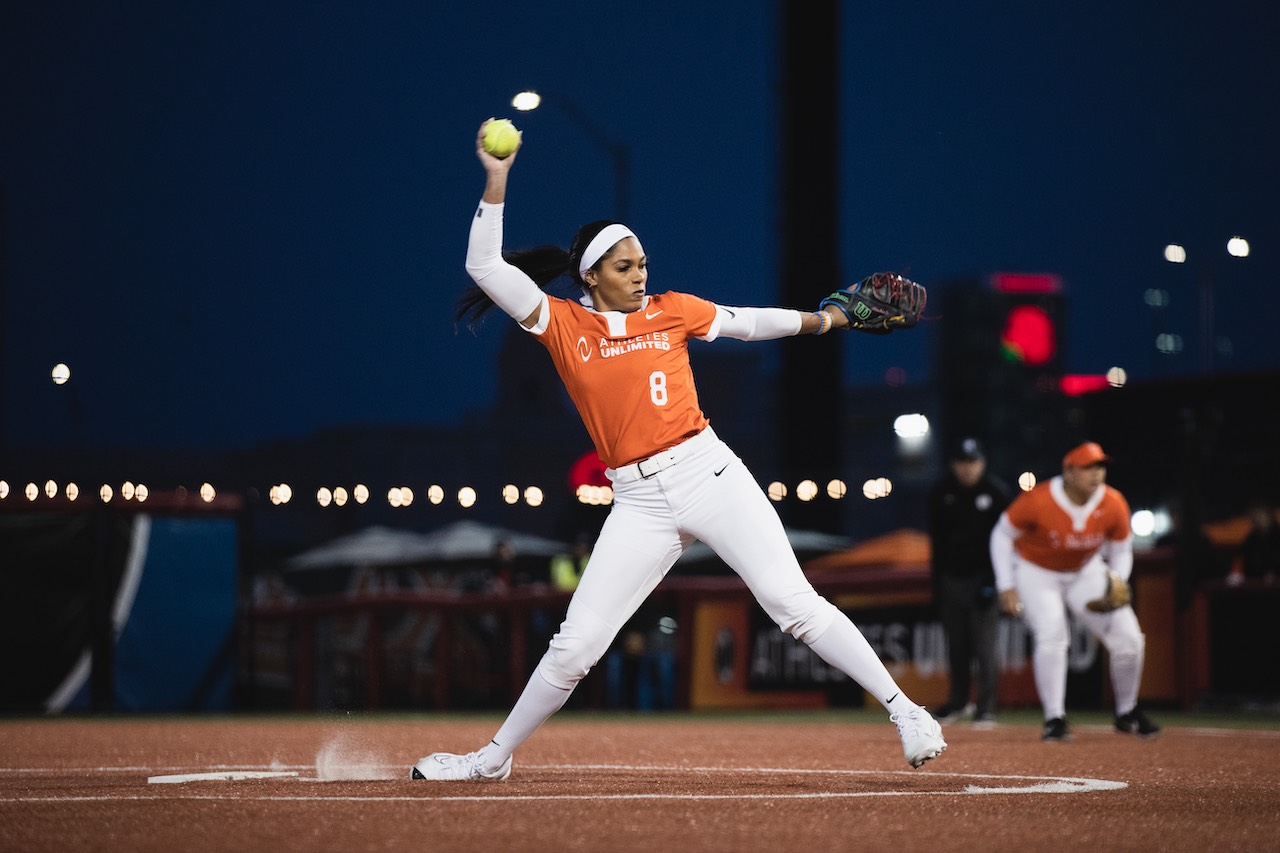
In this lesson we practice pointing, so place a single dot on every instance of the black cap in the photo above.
(967, 448)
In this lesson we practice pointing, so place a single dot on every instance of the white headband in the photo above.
(603, 242)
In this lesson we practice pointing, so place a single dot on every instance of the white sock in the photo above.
(537, 702)
(1050, 665)
(1126, 676)
(844, 647)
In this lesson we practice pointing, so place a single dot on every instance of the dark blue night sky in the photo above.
(242, 221)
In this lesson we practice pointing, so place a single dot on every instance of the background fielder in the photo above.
(1051, 551)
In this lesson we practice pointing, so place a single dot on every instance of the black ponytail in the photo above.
(543, 264)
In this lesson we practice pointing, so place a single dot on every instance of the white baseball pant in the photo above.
(1046, 595)
(697, 490)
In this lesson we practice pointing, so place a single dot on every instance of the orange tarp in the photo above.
(1230, 532)
(904, 546)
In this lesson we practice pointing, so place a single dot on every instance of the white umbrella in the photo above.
(383, 546)
(373, 546)
(470, 540)
(802, 542)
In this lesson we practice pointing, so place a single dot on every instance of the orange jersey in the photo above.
(629, 374)
(1058, 534)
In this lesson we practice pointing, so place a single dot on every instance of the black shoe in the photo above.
(949, 713)
(1055, 730)
(1136, 723)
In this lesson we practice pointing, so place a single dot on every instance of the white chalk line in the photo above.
(1029, 785)
(128, 769)
(219, 776)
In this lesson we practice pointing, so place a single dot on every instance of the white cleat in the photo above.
(448, 767)
(921, 735)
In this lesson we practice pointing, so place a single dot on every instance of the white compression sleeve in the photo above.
(1119, 556)
(508, 287)
(754, 324)
(1002, 552)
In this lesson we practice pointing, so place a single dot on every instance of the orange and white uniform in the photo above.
(1049, 530)
(674, 481)
(1056, 553)
(629, 374)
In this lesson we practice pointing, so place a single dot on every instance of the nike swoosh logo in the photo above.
(649, 316)
(721, 471)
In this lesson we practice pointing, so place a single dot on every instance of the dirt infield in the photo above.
(818, 781)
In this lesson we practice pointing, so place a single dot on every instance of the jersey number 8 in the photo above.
(658, 388)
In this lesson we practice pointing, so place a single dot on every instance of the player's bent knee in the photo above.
(1055, 633)
(575, 649)
(813, 624)
(1052, 642)
(1125, 645)
(562, 669)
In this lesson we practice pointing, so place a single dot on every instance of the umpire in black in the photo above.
(964, 505)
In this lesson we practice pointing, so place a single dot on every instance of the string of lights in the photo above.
(396, 496)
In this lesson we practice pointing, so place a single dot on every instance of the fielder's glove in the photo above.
(1116, 595)
(879, 303)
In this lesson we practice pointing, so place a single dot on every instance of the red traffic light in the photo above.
(1029, 335)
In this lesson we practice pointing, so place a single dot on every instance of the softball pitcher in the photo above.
(1052, 550)
(622, 354)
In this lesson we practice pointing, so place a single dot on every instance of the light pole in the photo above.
(616, 150)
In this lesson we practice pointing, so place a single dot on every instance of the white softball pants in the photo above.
(702, 490)
(1046, 597)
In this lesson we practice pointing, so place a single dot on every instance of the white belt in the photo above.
(646, 468)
